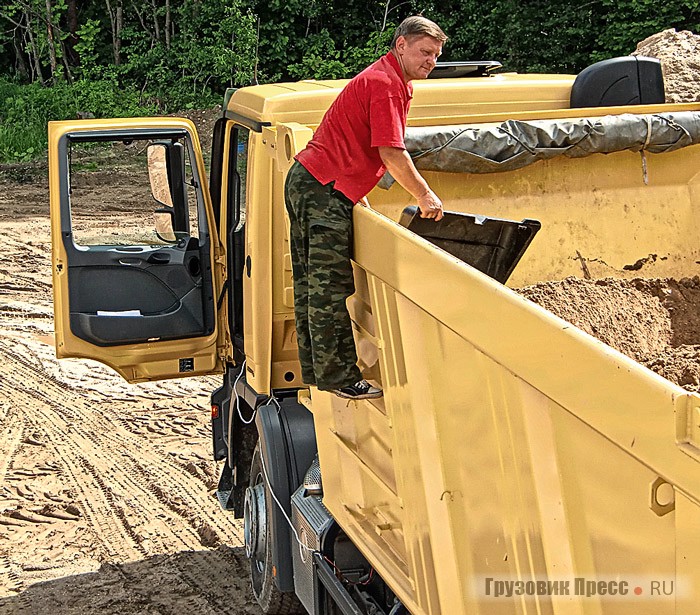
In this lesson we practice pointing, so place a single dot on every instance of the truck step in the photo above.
(225, 500)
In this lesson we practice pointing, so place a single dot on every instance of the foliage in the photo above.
(184, 52)
(28, 108)
(211, 49)
(555, 35)
(323, 39)
(541, 35)
(321, 60)
(88, 36)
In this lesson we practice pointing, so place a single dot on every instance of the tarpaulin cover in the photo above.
(514, 144)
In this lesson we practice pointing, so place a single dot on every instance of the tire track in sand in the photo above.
(182, 490)
(137, 495)
(63, 429)
(104, 457)
(97, 473)
(110, 539)
(11, 432)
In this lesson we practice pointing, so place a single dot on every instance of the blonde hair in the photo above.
(417, 25)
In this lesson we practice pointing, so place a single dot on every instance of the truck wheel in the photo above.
(256, 529)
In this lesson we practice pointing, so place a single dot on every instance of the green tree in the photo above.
(627, 22)
(321, 39)
(191, 51)
(541, 35)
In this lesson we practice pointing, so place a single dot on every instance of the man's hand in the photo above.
(430, 206)
(400, 165)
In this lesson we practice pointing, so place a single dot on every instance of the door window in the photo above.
(120, 193)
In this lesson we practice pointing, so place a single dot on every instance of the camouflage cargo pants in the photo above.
(321, 245)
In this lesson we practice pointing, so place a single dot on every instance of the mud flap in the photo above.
(288, 445)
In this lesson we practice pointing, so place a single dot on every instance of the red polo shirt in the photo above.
(369, 113)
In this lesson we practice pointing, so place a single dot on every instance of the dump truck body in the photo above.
(510, 448)
(509, 444)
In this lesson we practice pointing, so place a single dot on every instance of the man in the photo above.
(361, 136)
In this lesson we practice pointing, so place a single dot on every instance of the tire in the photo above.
(257, 513)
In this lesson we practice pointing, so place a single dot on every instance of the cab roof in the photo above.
(467, 100)
(437, 101)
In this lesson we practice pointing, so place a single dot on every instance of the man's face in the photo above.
(417, 55)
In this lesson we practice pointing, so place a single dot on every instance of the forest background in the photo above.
(115, 58)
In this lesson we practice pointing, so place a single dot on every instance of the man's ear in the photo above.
(401, 43)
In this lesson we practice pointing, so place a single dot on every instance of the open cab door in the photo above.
(137, 263)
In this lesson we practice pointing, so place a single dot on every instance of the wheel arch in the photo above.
(287, 445)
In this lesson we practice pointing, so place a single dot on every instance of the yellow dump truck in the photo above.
(515, 465)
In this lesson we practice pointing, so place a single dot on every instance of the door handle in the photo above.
(159, 258)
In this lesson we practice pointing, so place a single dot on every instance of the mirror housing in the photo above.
(158, 174)
(166, 174)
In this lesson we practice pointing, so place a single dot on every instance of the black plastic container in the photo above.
(491, 245)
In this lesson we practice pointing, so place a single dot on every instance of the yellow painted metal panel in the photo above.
(306, 102)
(257, 275)
(687, 514)
(439, 101)
(282, 144)
(522, 448)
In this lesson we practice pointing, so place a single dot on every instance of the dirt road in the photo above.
(106, 489)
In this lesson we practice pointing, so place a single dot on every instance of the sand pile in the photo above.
(654, 321)
(679, 53)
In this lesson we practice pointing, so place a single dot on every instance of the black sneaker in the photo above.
(359, 390)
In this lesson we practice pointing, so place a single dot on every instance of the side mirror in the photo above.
(160, 190)
(165, 231)
(158, 174)
(166, 174)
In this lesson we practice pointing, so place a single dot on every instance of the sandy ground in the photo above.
(106, 489)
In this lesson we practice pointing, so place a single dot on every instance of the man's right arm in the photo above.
(399, 164)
